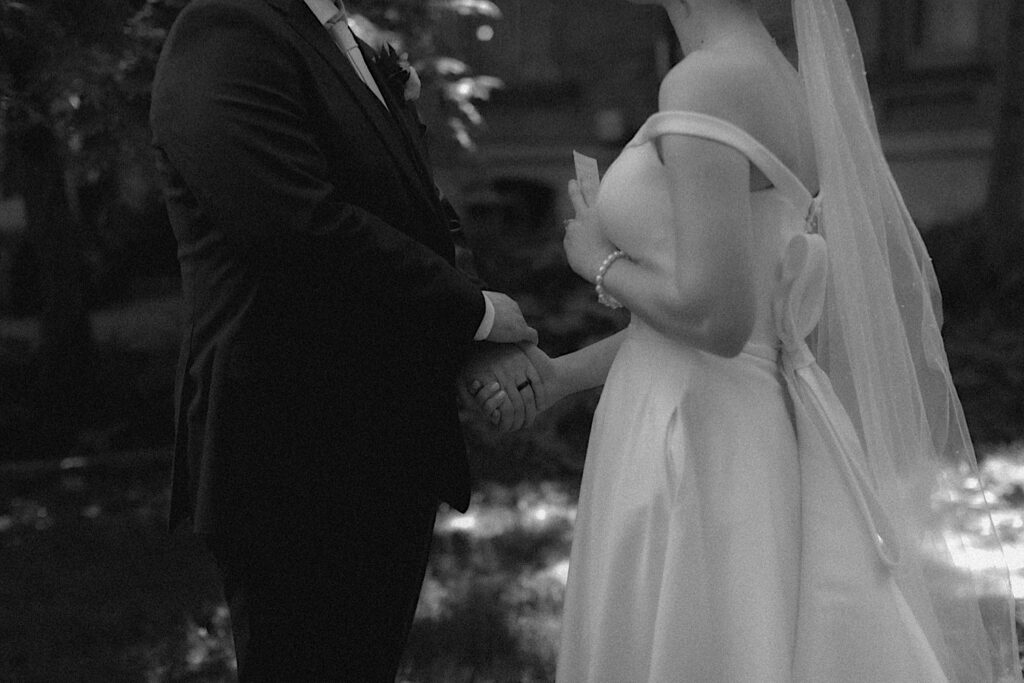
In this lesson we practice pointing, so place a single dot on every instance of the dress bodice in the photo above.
(635, 208)
(634, 205)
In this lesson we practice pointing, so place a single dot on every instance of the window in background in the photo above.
(943, 33)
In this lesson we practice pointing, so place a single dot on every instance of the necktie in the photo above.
(346, 40)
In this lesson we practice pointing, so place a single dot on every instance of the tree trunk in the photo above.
(65, 334)
(1004, 209)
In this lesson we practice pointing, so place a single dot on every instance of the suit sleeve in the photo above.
(463, 253)
(230, 114)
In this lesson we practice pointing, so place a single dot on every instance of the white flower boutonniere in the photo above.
(400, 77)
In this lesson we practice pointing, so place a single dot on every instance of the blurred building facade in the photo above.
(583, 74)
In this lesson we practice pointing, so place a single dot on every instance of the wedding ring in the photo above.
(523, 385)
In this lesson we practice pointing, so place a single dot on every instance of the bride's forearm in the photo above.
(709, 316)
(588, 367)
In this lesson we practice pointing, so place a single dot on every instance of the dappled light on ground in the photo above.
(982, 543)
(492, 597)
(94, 586)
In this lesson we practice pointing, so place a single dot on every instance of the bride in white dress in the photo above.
(745, 515)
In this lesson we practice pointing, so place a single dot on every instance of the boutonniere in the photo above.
(400, 77)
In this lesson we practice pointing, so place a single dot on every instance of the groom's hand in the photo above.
(509, 325)
(501, 382)
(551, 387)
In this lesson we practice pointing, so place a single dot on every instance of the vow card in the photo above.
(587, 176)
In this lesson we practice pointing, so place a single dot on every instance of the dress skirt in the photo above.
(686, 552)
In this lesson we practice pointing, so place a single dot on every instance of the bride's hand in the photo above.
(548, 383)
(554, 385)
(585, 243)
(487, 398)
(481, 389)
(502, 384)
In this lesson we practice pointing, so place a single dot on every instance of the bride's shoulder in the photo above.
(708, 84)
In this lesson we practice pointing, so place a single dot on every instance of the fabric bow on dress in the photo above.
(853, 622)
(797, 308)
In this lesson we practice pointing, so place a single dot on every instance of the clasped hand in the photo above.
(508, 384)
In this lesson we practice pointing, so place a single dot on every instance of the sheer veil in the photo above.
(879, 342)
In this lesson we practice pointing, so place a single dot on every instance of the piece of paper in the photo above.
(587, 175)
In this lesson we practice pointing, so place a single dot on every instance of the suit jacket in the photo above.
(324, 319)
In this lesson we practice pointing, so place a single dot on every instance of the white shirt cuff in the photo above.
(487, 323)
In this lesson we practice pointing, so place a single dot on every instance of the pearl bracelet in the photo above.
(602, 296)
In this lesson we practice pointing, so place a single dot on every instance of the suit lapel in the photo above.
(400, 110)
(393, 133)
(403, 120)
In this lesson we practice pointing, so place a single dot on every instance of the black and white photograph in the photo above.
(512, 341)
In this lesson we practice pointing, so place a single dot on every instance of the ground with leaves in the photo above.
(93, 588)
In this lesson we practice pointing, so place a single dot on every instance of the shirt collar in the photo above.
(323, 9)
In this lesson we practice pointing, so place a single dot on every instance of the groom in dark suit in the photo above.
(324, 326)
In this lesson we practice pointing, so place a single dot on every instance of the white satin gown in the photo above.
(724, 531)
